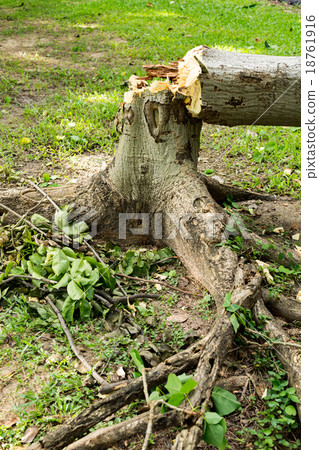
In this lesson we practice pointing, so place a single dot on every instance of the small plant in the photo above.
(274, 424)
(176, 390)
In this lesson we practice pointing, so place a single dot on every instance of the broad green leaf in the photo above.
(36, 259)
(89, 293)
(60, 263)
(225, 402)
(85, 309)
(137, 359)
(77, 267)
(188, 386)
(213, 434)
(63, 282)
(234, 322)
(212, 418)
(61, 219)
(8, 268)
(39, 220)
(35, 271)
(17, 271)
(74, 291)
(42, 250)
(290, 410)
(233, 308)
(183, 378)
(227, 301)
(94, 277)
(107, 276)
(155, 395)
(173, 384)
(294, 398)
(68, 309)
(176, 399)
(285, 270)
(69, 252)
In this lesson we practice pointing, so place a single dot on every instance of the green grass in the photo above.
(64, 67)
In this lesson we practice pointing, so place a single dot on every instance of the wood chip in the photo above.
(178, 318)
(29, 434)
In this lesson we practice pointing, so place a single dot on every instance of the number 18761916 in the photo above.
(310, 44)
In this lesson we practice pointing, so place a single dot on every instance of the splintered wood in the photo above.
(181, 76)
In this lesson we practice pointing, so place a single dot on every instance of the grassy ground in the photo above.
(64, 68)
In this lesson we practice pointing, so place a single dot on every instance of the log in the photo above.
(229, 88)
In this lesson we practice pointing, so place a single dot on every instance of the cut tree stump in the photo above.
(152, 190)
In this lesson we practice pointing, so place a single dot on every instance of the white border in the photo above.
(310, 248)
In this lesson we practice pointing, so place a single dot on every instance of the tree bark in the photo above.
(229, 88)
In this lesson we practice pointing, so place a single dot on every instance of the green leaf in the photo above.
(234, 322)
(35, 271)
(61, 219)
(8, 268)
(60, 262)
(173, 384)
(85, 309)
(68, 309)
(290, 410)
(213, 434)
(137, 359)
(69, 252)
(39, 220)
(188, 386)
(17, 271)
(176, 399)
(233, 308)
(285, 270)
(155, 395)
(225, 402)
(36, 259)
(227, 301)
(74, 291)
(212, 418)
(183, 378)
(294, 398)
(77, 267)
(63, 282)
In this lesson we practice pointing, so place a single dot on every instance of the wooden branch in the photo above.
(27, 277)
(75, 350)
(108, 436)
(163, 283)
(21, 217)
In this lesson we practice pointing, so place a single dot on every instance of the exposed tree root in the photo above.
(130, 391)
(282, 306)
(220, 192)
(289, 356)
(105, 437)
(219, 341)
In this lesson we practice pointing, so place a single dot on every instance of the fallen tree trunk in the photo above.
(229, 88)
